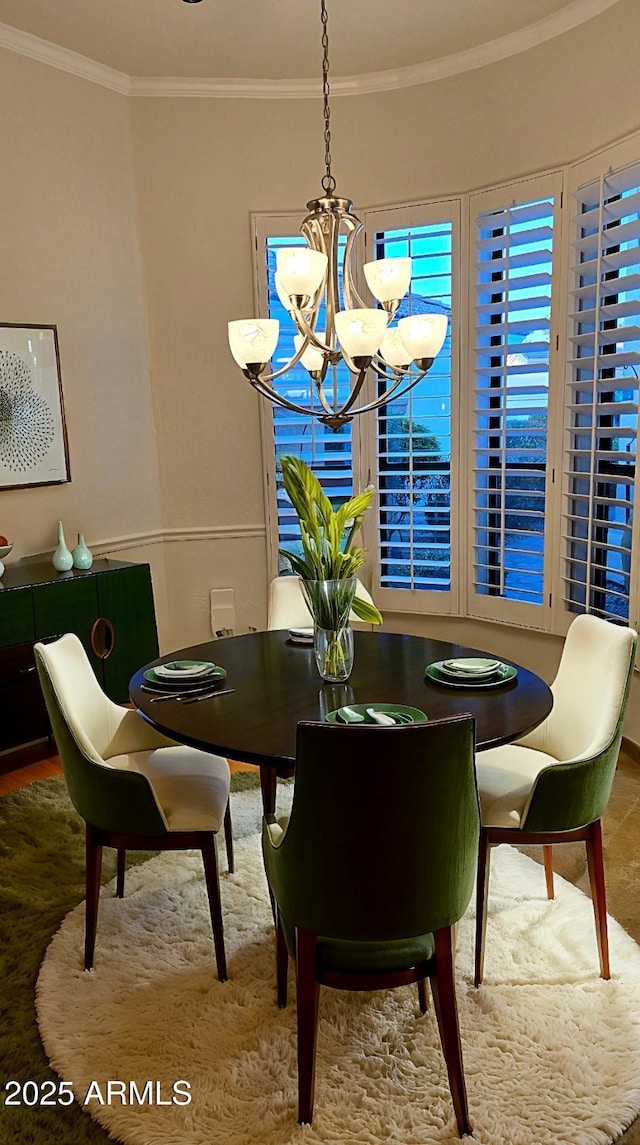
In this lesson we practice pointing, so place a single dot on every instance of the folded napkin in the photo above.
(377, 714)
(177, 671)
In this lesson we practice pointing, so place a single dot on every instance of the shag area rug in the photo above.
(552, 1053)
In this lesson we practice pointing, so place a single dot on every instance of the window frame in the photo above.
(417, 601)
(482, 606)
(605, 162)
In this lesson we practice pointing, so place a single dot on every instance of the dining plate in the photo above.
(183, 669)
(211, 676)
(503, 675)
(415, 716)
(301, 635)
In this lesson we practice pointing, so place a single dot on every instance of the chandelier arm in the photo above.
(311, 338)
(319, 380)
(332, 295)
(266, 378)
(385, 397)
(395, 378)
(399, 373)
(348, 285)
(354, 395)
(266, 391)
(349, 363)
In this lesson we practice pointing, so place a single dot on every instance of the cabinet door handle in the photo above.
(27, 671)
(103, 638)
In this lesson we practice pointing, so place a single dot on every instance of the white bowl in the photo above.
(5, 550)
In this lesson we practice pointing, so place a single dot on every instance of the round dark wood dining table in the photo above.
(276, 684)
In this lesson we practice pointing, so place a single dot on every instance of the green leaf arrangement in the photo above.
(328, 534)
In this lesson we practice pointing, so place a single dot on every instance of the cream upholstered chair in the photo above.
(552, 786)
(287, 607)
(134, 788)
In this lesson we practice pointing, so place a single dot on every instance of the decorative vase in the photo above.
(62, 559)
(82, 556)
(330, 604)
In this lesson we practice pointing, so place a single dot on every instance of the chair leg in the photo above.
(210, 862)
(268, 784)
(93, 870)
(120, 869)
(307, 999)
(228, 838)
(595, 863)
(282, 962)
(422, 996)
(444, 1001)
(482, 897)
(547, 854)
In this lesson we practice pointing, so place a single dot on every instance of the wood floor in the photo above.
(49, 764)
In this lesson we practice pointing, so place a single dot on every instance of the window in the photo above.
(511, 355)
(416, 433)
(409, 443)
(602, 401)
(542, 526)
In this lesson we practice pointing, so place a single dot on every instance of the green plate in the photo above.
(504, 675)
(414, 714)
(212, 674)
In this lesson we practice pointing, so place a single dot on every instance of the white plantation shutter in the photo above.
(414, 433)
(602, 395)
(329, 454)
(511, 337)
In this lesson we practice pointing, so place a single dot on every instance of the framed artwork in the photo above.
(33, 434)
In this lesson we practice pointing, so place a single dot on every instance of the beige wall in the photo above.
(70, 257)
(203, 165)
(198, 168)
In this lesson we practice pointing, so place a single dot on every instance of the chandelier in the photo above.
(308, 282)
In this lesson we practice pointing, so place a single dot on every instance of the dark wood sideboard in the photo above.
(109, 607)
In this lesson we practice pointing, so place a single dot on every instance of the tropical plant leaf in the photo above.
(354, 508)
(299, 565)
(327, 535)
(304, 490)
(365, 611)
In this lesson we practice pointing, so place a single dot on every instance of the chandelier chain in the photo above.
(328, 181)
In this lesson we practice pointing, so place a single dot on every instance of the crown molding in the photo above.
(24, 44)
(571, 16)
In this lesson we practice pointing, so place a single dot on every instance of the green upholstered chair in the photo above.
(375, 867)
(134, 788)
(553, 785)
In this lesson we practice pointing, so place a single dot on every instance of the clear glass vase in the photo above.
(330, 604)
(333, 648)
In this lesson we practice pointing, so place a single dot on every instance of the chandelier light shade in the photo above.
(422, 335)
(319, 279)
(388, 278)
(253, 341)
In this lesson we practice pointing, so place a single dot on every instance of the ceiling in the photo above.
(281, 39)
